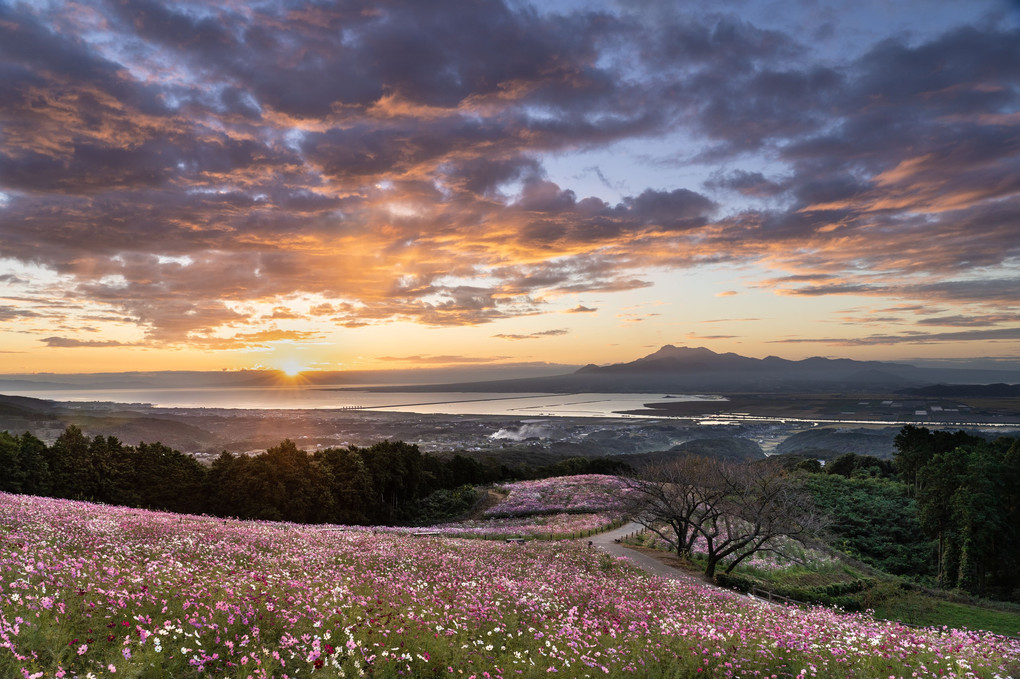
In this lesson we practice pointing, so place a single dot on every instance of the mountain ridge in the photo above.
(701, 370)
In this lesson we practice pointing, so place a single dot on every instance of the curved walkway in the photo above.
(648, 563)
(607, 543)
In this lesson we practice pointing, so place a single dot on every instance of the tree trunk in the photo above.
(939, 577)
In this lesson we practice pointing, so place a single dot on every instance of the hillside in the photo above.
(723, 448)
(90, 590)
(831, 442)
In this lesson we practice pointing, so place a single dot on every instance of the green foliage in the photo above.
(918, 608)
(848, 594)
(72, 474)
(809, 465)
(166, 479)
(737, 581)
(968, 499)
(576, 466)
(916, 446)
(833, 584)
(874, 520)
(445, 505)
(859, 466)
(10, 459)
(34, 472)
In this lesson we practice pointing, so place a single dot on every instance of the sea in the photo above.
(445, 403)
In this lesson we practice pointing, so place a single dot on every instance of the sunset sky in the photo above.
(374, 184)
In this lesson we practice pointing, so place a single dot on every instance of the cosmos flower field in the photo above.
(564, 506)
(541, 526)
(95, 591)
(581, 494)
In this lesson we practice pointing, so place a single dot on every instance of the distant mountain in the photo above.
(700, 370)
(671, 369)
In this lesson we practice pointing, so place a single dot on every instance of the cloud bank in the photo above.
(205, 171)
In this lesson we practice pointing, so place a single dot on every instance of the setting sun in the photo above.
(291, 368)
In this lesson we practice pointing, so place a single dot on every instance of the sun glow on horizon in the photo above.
(292, 368)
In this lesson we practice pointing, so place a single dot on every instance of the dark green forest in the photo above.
(945, 511)
(968, 499)
(388, 483)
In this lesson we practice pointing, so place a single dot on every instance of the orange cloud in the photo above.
(386, 179)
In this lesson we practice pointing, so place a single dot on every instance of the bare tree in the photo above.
(737, 509)
(671, 499)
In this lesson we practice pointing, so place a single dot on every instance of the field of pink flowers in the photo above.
(96, 591)
(559, 507)
(542, 526)
(582, 494)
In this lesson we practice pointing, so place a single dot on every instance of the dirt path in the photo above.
(658, 562)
